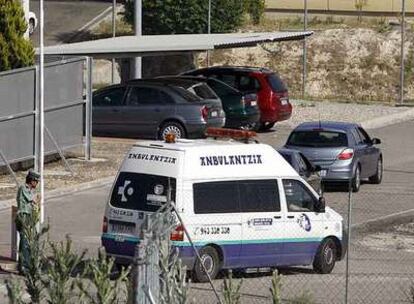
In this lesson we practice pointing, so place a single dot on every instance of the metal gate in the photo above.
(67, 110)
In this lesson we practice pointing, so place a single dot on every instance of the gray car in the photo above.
(344, 151)
(153, 108)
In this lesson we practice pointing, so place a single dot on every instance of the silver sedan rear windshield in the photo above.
(318, 138)
(188, 96)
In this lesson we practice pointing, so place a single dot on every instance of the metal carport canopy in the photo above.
(149, 45)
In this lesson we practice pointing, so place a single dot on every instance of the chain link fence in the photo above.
(361, 50)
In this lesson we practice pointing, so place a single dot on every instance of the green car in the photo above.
(242, 111)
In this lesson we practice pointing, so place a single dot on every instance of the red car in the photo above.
(272, 93)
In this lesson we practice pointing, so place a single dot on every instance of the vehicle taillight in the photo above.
(346, 154)
(204, 113)
(105, 225)
(177, 234)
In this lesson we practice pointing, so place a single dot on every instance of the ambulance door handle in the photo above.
(291, 216)
(277, 217)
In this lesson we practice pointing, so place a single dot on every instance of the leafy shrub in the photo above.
(231, 291)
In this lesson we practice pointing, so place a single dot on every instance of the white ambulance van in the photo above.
(243, 205)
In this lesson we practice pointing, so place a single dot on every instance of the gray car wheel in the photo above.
(250, 127)
(377, 177)
(172, 127)
(266, 126)
(356, 180)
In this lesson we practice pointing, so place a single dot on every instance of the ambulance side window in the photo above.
(216, 197)
(259, 196)
(298, 197)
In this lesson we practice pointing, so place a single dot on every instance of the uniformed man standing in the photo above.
(27, 205)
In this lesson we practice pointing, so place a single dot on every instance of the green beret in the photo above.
(33, 175)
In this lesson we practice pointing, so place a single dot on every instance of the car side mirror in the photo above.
(376, 141)
(320, 206)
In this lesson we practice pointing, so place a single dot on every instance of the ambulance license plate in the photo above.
(125, 229)
(214, 114)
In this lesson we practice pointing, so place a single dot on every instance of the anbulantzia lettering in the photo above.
(231, 160)
(153, 157)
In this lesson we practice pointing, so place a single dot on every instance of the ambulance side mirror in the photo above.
(320, 206)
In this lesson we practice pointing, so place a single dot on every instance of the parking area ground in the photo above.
(377, 275)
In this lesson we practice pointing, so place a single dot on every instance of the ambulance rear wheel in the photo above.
(325, 257)
(211, 262)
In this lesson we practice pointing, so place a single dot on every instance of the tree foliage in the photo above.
(191, 16)
(255, 9)
(15, 50)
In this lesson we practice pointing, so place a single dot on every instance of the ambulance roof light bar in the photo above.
(230, 133)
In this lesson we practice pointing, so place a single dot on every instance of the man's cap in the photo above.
(33, 175)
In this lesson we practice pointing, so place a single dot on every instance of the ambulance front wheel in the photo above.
(325, 258)
(211, 261)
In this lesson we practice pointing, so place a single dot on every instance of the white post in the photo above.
(138, 33)
(88, 109)
(26, 8)
(41, 115)
(304, 59)
(402, 62)
(209, 30)
(113, 35)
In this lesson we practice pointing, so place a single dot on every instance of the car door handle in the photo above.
(157, 110)
(291, 216)
(277, 217)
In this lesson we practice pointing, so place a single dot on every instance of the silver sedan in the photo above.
(344, 151)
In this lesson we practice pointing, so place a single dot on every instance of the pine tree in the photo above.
(15, 50)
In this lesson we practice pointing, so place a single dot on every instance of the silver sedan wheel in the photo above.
(171, 129)
(379, 169)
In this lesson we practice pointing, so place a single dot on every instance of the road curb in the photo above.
(387, 120)
(383, 223)
(6, 204)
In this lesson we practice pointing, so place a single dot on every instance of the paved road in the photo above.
(376, 276)
(63, 19)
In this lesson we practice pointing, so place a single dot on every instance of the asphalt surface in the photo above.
(377, 276)
(64, 18)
